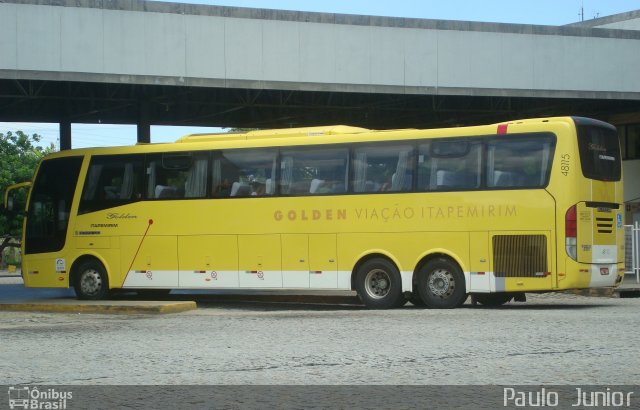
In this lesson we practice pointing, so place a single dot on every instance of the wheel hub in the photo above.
(90, 282)
(377, 283)
(441, 283)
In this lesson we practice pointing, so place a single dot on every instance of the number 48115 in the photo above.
(565, 164)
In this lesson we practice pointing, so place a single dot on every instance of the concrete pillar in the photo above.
(144, 132)
(65, 135)
(144, 126)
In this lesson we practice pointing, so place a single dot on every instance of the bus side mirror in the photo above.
(9, 196)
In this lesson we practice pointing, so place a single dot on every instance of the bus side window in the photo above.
(112, 180)
(449, 165)
(177, 175)
(244, 173)
(518, 163)
(382, 168)
(313, 171)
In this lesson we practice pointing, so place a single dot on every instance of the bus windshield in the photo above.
(599, 150)
(50, 204)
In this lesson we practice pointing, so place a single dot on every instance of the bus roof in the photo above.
(330, 134)
(273, 133)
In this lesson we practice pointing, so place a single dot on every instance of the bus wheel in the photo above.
(492, 299)
(441, 284)
(379, 284)
(91, 282)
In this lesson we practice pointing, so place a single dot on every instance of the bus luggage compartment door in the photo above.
(295, 260)
(323, 266)
(260, 261)
(155, 265)
(208, 261)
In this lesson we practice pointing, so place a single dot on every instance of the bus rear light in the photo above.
(502, 129)
(571, 233)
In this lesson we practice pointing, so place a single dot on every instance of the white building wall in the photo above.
(255, 52)
(631, 175)
(632, 24)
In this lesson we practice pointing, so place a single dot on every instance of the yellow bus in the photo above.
(428, 215)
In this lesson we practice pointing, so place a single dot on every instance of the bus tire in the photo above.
(91, 282)
(379, 284)
(441, 284)
(493, 299)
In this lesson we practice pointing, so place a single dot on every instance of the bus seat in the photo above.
(504, 179)
(371, 186)
(315, 184)
(458, 180)
(234, 188)
(240, 189)
(339, 187)
(111, 192)
(164, 191)
(444, 178)
(393, 180)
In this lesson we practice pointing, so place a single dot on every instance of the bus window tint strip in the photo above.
(455, 164)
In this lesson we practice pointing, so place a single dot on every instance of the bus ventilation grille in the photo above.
(605, 225)
(520, 256)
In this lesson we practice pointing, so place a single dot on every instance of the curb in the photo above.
(176, 307)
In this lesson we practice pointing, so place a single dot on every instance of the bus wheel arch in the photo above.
(439, 281)
(377, 280)
(89, 278)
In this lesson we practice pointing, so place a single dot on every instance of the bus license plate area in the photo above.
(604, 271)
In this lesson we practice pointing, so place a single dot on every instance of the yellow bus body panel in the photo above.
(316, 241)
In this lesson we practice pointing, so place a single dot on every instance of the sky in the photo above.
(542, 12)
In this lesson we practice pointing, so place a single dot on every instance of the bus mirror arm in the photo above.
(9, 203)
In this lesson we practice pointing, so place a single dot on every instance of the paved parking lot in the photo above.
(551, 339)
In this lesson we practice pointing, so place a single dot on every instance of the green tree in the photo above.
(19, 157)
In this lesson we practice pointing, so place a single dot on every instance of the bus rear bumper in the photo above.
(590, 275)
(604, 275)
